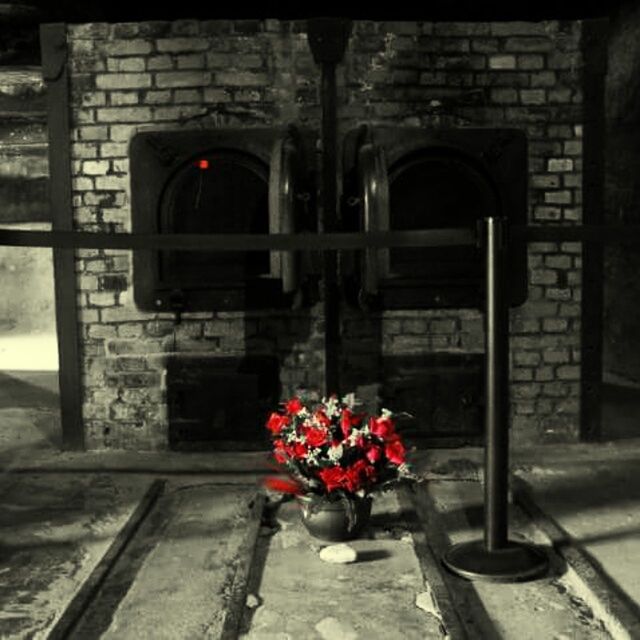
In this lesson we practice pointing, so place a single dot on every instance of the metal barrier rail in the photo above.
(237, 242)
(495, 558)
(624, 234)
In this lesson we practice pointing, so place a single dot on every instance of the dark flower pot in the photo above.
(335, 520)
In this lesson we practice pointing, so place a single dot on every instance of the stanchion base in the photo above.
(516, 562)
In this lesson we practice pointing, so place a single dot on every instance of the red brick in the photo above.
(568, 372)
(530, 44)
(192, 61)
(123, 80)
(559, 95)
(216, 95)
(530, 62)
(123, 65)
(111, 183)
(558, 197)
(93, 133)
(128, 47)
(504, 96)
(543, 276)
(518, 28)
(187, 96)
(553, 293)
(182, 79)
(185, 27)
(545, 181)
(95, 167)
(93, 99)
(560, 164)
(241, 79)
(157, 97)
(484, 45)
(547, 213)
(502, 61)
(461, 28)
(124, 114)
(526, 358)
(573, 147)
(533, 96)
(174, 45)
(177, 113)
(160, 63)
(113, 150)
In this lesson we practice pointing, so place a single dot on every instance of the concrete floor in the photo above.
(177, 574)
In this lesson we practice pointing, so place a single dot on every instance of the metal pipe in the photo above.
(496, 391)
(329, 223)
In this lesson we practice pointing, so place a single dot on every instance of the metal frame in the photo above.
(53, 43)
(594, 51)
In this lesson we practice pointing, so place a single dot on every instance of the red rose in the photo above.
(283, 485)
(333, 477)
(277, 422)
(358, 475)
(297, 450)
(374, 453)
(293, 406)
(348, 420)
(316, 437)
(279, 451)
(359, 443)
(382, 427)
(322, 418)
(345, 422)
(395, 451)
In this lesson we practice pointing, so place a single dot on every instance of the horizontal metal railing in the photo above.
(311, 241)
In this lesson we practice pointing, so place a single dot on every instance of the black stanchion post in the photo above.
(496, 452)
(496, 558)
(328, 39)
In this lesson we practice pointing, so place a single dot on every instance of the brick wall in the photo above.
(131, 77)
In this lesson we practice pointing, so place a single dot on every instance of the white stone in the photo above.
(338, 554)
(334, 629)
(427, 603)
(253, 602)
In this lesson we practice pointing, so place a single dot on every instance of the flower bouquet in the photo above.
(335, 457)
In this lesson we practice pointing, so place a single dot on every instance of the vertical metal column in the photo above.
(496, 453)
(53, 44)
(328, 38)
(495, 558)
(330, 224)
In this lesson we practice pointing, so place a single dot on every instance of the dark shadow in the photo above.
(220, 402)
(98, 615)
(35, 426)
(557, 564)
(620, 412)
(612, 587)
(269, 526)
(378, 520)
(29, 390)
(371, 555)
(592, 486)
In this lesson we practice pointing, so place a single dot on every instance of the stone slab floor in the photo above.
(177, 576)
(60, 512)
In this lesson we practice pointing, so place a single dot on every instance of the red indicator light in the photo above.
(202, 164)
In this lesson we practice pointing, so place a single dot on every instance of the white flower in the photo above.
(335, 453)
(350, 400)
(312, 457)
(385, 413)
(332, 408)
